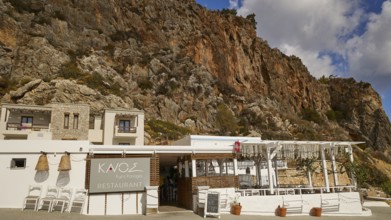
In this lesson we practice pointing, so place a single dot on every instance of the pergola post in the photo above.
(334, 166)
(258, 171)
(351, 159)
(270, 169)
(309, 179)
(187, 169)
(276, 171)
(236, 166)
(324, 166)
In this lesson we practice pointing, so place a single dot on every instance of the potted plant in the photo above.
(281, 211)
(316, 211)
(235, 206)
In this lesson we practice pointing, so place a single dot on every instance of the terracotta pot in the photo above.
(282, 212)
(316, 211)
(235, 209)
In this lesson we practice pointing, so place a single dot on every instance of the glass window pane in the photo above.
(75, 121)
(201, 166)
(66, 120)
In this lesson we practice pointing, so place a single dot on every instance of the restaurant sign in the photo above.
(119, 174)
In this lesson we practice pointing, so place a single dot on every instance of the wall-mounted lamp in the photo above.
(43, 164)
(65, 162)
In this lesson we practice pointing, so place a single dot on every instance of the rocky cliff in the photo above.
(203, 70)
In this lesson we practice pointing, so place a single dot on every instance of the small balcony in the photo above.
(27, 127)
(126, 131)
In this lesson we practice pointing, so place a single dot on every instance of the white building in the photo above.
(71, 122)
(128, 179)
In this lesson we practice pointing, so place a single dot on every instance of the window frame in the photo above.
(75, 121)
(66, 120)
(124, 128)
(215, 167)
(16, 161)
(28, 121)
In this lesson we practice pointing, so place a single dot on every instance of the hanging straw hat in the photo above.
(65, 162)
(43, 164)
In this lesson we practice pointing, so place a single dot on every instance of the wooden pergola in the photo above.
(270, 149)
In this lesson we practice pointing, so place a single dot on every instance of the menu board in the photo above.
(212, 204)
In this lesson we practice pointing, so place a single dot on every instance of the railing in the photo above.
(127, 130)
(294, 191)
(28, 127)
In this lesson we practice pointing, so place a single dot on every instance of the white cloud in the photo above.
(306, 27)
(370, 54)
(315, 29)
(318, 66)
(233, 3)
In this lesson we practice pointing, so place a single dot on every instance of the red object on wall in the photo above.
(237, 147)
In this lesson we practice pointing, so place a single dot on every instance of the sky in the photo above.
(344, 38)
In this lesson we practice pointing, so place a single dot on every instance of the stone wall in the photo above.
(71, 132)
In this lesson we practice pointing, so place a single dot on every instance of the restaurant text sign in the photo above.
(119, 174)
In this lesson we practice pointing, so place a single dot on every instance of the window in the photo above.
(215, 167)
(26, 122)
(75, 121)
(18, 163)
(66, 121)
(124, 126)
(242, 165)
(227, 167)
(27, 119)
(200, 164)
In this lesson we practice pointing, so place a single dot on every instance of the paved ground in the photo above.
(378, 213)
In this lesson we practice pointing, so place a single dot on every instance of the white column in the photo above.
(334, 166)
(235, 166)
(258, 172)
(193, 168)
(309, 174)
(187, 168)
(324, 166)
(351, 159)
(109, 128)
(270, 170)
(276, 171)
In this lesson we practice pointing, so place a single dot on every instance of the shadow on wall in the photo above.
(63, 178)
(41, 176)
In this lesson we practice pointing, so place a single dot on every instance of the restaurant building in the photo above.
(123, 176)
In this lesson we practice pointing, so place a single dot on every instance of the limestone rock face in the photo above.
(179, 62)
(364, 116)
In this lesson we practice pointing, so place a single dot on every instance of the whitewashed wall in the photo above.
(133, 203)
(15, 182)
(350, 204)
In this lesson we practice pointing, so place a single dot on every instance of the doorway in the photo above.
(169, 177)
(168, 185)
